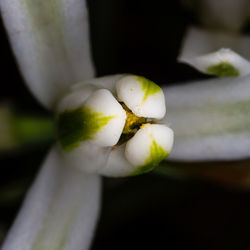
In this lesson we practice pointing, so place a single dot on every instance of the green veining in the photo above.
(226, 118)
(157, 154)
(75, 126)
(47, 22)
(46, 19)
(149, 87)
(223, 69)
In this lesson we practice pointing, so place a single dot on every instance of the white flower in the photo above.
(51, 43)
(93, 122)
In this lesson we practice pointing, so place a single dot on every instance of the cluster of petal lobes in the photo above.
(94, 129)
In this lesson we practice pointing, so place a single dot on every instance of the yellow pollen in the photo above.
(132, 122)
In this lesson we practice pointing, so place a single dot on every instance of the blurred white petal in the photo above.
(200, 41)
(221, 14)
(224, 63)
(210, 119)
(107, 82)
(51, 43)
(216, 53)
(75, 98)
(87, 157)
(79, 92)
(117, 165)
(142, 96)
(60, 210)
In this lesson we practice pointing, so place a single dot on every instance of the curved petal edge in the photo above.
(60, 210)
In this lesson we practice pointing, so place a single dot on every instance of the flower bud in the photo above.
(98, 134)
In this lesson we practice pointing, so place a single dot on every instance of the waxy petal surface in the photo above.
(103, 102)
(142, 96)
(149, 146)
(211, 119)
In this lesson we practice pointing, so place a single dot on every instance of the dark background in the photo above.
(150, 211)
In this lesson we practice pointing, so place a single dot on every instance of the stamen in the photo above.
(133, 122)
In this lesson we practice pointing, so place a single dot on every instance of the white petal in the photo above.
(106, 82)
(204, 51)
(59, 212)
(75, 98)
(51, 43)
(117, 165)
(100, 120)
(211, 119)
(143, 97)
(151, 144)
(87, 156)
(223, 62)
(224, 14)
(79, 92)
(103, 102)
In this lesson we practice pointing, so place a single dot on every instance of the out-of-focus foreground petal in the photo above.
(217, 53)
(51, 43)
(224, 14)
(210, 119)
(60, 210)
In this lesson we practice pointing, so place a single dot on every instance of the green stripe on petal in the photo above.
(148, 147)
(81, 124)
(157, 154)
(149, 87)
(142, 96)
(223, 69)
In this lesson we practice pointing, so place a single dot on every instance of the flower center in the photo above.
(133, 123)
